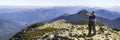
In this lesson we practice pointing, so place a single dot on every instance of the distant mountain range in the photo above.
(9, 28)
(46, 14)
(107, 14)
(32, 15)
(115, 9)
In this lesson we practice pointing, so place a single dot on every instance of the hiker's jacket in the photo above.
(92, 19)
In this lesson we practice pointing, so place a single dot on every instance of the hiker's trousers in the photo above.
(91, 26)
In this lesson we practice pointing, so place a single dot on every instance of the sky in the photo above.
(90, 3)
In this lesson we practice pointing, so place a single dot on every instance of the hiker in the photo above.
(91, 24)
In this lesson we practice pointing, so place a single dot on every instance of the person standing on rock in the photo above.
(92, 23)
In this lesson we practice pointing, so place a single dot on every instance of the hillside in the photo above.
(81, 17)
(65, 31)
(9, 28)
(107, 14)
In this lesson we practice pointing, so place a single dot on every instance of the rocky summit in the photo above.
(59, 30)
(67, 31)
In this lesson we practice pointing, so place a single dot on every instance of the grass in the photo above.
(116, 29)
(36, 24)
(83, 22)
(34, 33)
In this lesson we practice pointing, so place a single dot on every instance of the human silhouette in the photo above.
(92, 23)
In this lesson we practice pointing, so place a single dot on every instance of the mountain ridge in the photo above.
(80, 16)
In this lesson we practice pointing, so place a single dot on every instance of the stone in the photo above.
(68, 31)
(51, 36)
